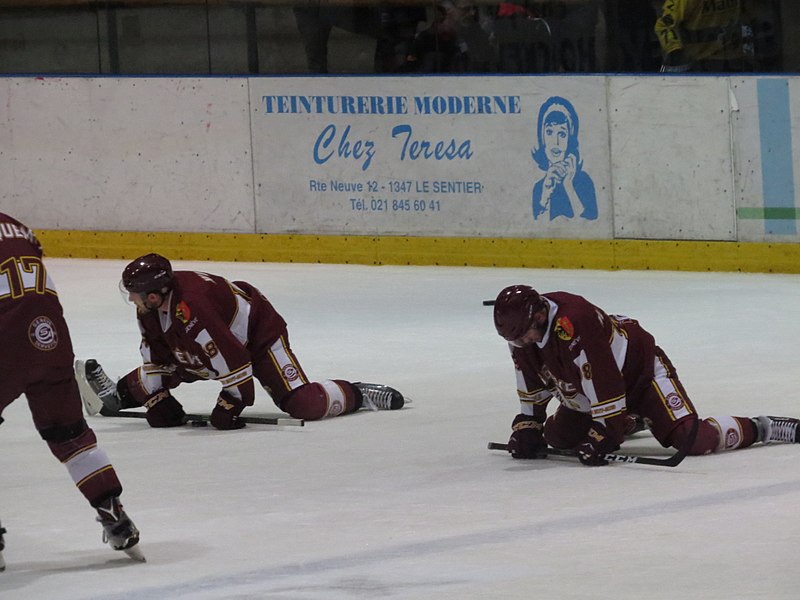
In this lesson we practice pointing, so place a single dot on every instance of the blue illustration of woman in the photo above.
(565, 186)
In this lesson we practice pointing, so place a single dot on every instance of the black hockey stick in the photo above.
(670, 461)
(488, 302)
(202, 420)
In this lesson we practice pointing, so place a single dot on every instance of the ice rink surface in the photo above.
(410, 504)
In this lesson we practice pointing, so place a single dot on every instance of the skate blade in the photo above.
(91, 401)
(135, 553)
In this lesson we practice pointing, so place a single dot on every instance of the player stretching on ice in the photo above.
(200, 326)
(36, 360)
(603, 368)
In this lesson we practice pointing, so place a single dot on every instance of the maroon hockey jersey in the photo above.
(31, 319)
(591, 361)
(211, 329)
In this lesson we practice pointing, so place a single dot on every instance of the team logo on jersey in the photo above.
(182, 312)
(335, 409)
(564, 329)
(42, 334)
(732, 439)
(289, 372)
(674, 401)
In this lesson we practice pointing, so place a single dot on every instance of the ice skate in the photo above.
(98, 392)
(777, 429)
(118, 529)
(2, 547)
(380, 397)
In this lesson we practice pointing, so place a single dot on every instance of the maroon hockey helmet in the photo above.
(148, 273)
(514, 309)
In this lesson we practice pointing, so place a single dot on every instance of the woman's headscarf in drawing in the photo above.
(556, 110)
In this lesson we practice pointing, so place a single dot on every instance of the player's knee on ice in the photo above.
(715, 434)
(163, 410)
(320, 400)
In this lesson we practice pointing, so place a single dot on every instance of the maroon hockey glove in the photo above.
(226, 413)
(593, 450)
(163, 410)
(633, 424)
(527, 439)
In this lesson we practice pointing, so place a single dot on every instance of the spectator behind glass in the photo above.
(398, 27)
(703, 36)
(455, 42)
(523, 39)
(632, 24)
(393, 28)
(474, 32)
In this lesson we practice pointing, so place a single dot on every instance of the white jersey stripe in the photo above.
(670, 395)
(241, 319)
(284, 362)
(619, 346)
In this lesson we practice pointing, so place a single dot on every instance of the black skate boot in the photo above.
(379, 397)
(118, 529)
(777, 429)
(98, 391)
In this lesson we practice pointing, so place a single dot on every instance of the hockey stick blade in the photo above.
(193, 419)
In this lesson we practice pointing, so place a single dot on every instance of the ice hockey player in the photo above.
(198, 326)
(602, 368)
(36, 360)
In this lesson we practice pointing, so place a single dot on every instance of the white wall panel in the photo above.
(146, 154)
(671, 158)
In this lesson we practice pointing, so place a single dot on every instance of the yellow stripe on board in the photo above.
(445, 251)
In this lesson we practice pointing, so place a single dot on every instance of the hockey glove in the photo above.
(163, 410)
(527, 438)
(597, 444)
(633, 424)
(226, 413)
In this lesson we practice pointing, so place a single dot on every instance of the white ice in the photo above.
(411, 504)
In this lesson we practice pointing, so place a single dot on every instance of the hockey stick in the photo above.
(202, 420)
(670, 461)
(488, 302)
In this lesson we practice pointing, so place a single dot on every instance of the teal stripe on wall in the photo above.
(777, 164)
